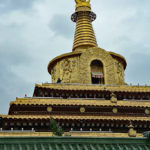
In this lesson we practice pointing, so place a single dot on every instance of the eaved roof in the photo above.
(79, 102)
(73, 143)
(77, 117)
(91, 87)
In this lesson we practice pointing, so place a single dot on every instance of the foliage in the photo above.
(55, 128)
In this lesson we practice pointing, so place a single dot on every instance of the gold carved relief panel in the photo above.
(66, 70)
(119, 72)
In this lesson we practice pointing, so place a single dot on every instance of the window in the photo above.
(97, 72)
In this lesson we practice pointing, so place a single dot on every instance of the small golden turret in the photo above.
(84, 34)
(113, 98)
(131, 132)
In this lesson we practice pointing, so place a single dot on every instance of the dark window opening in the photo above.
(97, 72)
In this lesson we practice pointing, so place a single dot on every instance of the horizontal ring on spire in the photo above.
(74, 16)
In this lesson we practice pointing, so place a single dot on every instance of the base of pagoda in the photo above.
(74, 134)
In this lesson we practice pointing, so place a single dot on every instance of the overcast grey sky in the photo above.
(35, 31)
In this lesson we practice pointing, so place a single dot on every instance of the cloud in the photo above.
(10, 5)
(27, 44)
(62, 26)
(11, 84)
(139, 70)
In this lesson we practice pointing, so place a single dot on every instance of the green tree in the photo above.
(55, 128)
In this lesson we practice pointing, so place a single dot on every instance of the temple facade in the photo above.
(88, 95)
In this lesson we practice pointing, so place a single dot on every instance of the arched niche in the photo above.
(97, 72)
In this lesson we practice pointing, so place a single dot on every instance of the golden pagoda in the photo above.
(88, 95)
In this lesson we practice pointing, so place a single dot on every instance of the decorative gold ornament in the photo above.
(131, 132)
(49, 109)
(82, 109)
(82, 2)
(115, 110)
(113, 98)
(147, 111)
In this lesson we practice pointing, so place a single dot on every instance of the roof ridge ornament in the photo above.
(131, 132)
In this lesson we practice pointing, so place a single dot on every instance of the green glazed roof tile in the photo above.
(70, 147)
(73, 143)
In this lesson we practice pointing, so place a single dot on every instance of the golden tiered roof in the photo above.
(78, 102)
(77, 117)
(88, 87)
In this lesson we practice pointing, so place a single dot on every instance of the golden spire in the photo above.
(84, 34)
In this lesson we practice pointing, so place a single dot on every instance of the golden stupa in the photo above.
(88, 95)
(86, 56)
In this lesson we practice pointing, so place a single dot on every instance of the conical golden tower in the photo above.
(87, 63)
(84, 34)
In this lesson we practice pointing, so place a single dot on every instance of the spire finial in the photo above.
(84, 35)
(82, 3)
